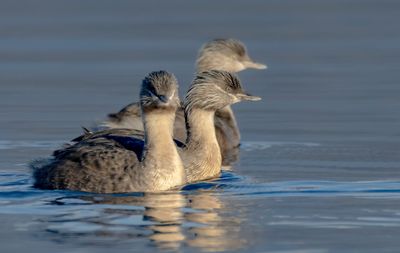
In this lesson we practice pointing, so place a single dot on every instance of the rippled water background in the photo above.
(320, 160)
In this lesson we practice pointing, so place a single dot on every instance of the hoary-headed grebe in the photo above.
(116, 164)
(219, 54)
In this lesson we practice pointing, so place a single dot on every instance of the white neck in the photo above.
(158, 130)
(202, 156)
(160, 157)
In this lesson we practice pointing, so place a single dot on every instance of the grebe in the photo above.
(115, 164)
(219, 54)
(210, 91)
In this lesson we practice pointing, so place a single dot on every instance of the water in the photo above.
(319, 164)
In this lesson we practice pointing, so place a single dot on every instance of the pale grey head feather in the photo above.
(158, 89)
(225, 54)
(212, 90)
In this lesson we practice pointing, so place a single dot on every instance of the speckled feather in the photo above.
(220, 54)
(113, 162)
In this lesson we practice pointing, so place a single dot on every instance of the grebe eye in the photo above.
(163, 98)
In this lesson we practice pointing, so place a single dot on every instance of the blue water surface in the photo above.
(319, 167)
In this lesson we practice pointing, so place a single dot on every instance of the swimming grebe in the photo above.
(209, 92)
(201, 155)
(219, 54)
(115, 164)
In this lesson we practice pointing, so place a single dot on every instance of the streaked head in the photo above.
(213, 90)
(225, 54)
(159, 91)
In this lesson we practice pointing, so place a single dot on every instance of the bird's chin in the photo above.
(164, 108)
(239, 67)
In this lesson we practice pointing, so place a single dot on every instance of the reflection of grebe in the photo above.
(169, 220)
(214, 232)
(104, 165)
(165, 210)
(219, 54)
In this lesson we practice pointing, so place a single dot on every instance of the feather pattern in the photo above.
(123, 161)
(219, 54)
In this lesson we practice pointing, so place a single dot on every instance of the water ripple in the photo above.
(8, 144)
(19, 186)
(261, 145)
(310, 188)
(198, 215)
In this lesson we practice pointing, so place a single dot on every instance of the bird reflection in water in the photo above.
(169, 220)
(215, 233)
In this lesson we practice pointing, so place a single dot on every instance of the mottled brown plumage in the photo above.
(112, 163)
(201, 155)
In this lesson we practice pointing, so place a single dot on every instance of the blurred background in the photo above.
(333, 65)
(319, 168)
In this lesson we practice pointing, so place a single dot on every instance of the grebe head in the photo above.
(215, 89)
(159, 91)
(225, 54)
